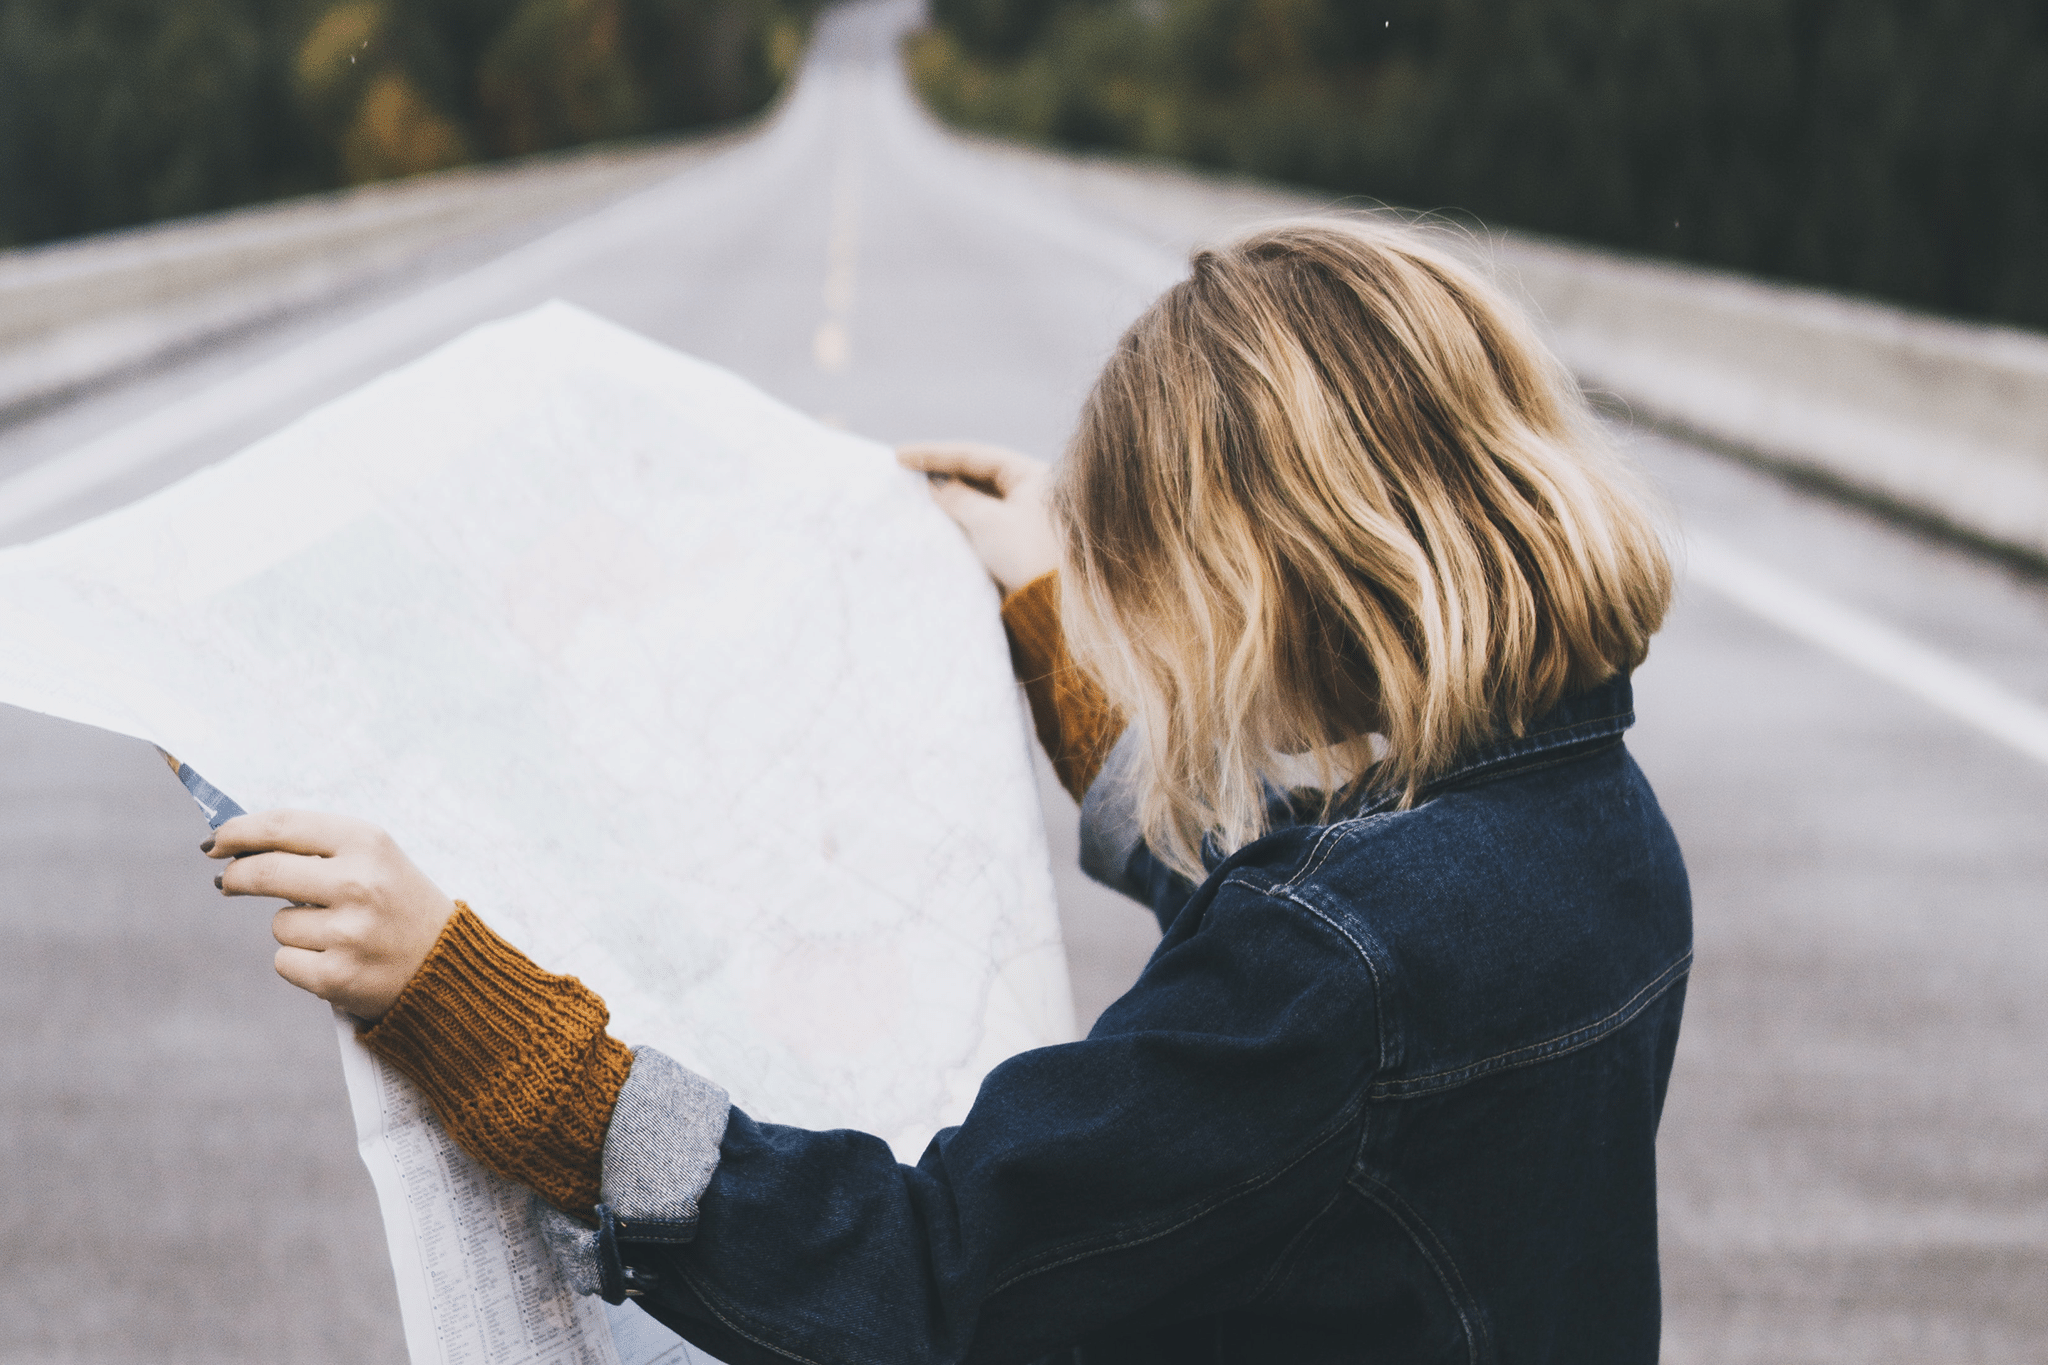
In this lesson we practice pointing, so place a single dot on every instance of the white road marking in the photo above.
(830, 346)
(1870, 644)
(832, 343)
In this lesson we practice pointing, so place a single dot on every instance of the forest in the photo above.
(1893, 148)
(116, 112)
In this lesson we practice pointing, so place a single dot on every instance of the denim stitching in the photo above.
(1237, 1191)
(1439, 786)
(1562, 737)
(1240, 1190)
(1327, 838)
(1562, 1045)
(1379, 994)
(1352, 824)
(1402, 1213)
(704, 1297)
(1280, 1261)
(1357, 1160)
(1320, 854)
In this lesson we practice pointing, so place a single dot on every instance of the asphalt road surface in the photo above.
(1855, 1156)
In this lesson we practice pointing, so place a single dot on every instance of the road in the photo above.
(1855, 1156)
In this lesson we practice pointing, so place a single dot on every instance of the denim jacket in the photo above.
(1387, 1091)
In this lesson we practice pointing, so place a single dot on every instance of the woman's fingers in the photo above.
(291, 831)
(1011, 530)
(311, 927)
(997, 469)
(954, 459)
(287, 876)
(362, 918)
(308, 970)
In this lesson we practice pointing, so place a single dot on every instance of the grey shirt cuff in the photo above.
(660, 1151)
(1109, 818)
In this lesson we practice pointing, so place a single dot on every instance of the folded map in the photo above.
(684, 692)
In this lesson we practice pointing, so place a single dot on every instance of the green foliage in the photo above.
(1891, 147)
(1000, 30)
(170, 106)
(115, 112)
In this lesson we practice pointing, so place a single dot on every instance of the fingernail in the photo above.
(207, 847)
(216, 883)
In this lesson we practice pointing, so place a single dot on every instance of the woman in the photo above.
(1342, 544)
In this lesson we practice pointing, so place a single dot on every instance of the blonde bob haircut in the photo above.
(1333, 506)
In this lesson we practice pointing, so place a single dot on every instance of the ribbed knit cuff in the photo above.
(514, 1059)
(1073, 718)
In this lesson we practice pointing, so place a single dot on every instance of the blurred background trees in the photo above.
(115, 112)
(1890, 147)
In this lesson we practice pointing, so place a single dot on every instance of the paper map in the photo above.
(685, 693)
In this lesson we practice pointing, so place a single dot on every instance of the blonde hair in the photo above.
(1332, 487)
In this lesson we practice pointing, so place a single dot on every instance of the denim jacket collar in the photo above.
(1582, 722)
(1585, 720)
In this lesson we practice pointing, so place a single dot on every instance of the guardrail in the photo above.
(1944, 421)
(78, 313)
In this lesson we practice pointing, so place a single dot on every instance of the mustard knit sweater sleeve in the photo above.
(1075, 722)
(516, 1061)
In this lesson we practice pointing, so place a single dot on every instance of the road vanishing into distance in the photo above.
(1855, 1153)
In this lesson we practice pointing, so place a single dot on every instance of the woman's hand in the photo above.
(999, 499)
(362, 917)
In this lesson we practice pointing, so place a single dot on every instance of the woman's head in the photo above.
(1331, 487)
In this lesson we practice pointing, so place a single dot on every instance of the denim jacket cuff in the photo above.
(660, 1152)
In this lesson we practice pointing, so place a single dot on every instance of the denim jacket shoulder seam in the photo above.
(1562, 1045)
(1288, 892)
(1354, 1107)
(1325, 844)
(1336, 833)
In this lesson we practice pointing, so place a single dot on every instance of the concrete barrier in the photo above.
(77, 313)
(1946, 421)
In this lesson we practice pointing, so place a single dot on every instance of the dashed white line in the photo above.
(832, 343)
